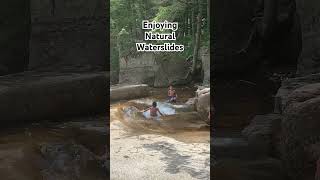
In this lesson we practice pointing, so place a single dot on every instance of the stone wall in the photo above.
(310, 19)
(68, 33)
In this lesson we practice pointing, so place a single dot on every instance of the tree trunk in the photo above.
(193, 23)
(208, 15)
(197, 39)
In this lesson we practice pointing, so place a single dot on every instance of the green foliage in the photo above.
(127, 15)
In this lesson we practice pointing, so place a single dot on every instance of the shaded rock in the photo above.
(124, 92)
(69, 33)
(71, 161)
(300, 125)
(263, 133)
(231, 147)
(40, 96)
(310, 57)
(288, 86)
(235, 169)
(14, 41)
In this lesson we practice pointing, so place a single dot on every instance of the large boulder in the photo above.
(288, 86)
(203, 102)
(36, 96)
(68, 33)
(154, 70)
(125, 92)
(300, 105)
(138, 69)
(263, 133)
(310, 15)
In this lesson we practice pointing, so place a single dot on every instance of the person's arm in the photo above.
(160, 112)
(145, 110)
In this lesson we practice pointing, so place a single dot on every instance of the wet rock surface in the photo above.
(174, 146)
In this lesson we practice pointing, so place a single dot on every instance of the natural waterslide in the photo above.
(173, 146)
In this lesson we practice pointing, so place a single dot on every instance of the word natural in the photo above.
(159, 36)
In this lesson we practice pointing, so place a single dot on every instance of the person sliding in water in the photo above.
(172, 95)
(153, 110)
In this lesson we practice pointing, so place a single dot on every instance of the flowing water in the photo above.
(180, 121)
(173, 146)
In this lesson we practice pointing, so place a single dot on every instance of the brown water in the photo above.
(182, 123)
(73, 150)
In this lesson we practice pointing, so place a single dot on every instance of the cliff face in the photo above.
(14, 36)
(52, 33)
(66, 32)
(154, 70)
(310, 22)
(231, 29)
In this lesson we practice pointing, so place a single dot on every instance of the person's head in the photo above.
(154, 104)
(170, 87)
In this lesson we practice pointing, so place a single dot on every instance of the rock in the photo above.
(230, 30)
(70, 161)
(171, 70)
(288, 86)
(154, 70)
(125, 92)
(40, 96)
(68, 34)
(137, 70)
(300, 125)
(262, 133)
(235, 169)
(203, 103)
(192, 103)
(231, 147)
(310, 57)
(231, 33)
